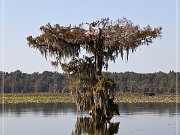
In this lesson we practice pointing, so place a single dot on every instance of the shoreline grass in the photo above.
(55, 98)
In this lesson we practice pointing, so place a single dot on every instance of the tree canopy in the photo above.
(103, 41)
(115, 37)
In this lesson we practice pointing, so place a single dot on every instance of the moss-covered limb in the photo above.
(51, 98)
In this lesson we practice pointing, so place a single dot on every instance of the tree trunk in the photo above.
(99, 54)
(98, 109)
(101, 108)
(100, 99)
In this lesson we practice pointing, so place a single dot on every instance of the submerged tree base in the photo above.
(98, 100)
(111, 111)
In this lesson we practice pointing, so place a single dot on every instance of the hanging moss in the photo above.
(103, 40)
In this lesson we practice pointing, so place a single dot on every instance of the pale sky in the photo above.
(22, 18)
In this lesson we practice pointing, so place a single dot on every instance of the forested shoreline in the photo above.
(54, 82)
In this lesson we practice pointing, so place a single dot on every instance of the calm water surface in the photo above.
(63, 119)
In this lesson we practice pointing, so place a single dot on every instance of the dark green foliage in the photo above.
(158, 82)
(17, 82)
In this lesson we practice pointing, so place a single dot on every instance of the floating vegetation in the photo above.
(140, 98)
(36, 98)
(55, 98)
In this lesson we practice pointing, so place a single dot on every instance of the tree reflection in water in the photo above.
(86, 125)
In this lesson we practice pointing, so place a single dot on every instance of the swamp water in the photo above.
(63, 119)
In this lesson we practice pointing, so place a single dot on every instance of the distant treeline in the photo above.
(54, 82)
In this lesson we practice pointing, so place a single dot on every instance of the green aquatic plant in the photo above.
(55, 98)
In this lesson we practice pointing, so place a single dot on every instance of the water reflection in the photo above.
(86, 125)
(150, 108)
(47, 109)
(62, 118)
(56, 108)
